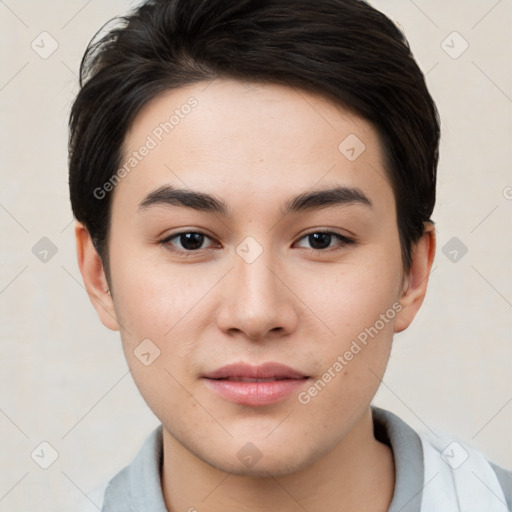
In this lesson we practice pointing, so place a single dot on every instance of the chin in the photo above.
(269, 461)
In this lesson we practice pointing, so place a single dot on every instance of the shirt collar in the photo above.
(138, 486)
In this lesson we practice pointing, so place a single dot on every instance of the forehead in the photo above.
(227, 138)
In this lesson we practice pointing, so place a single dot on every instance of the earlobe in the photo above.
(91, 268)
(416, 280)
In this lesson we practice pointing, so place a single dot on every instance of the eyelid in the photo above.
(343, 239)
(167, 240)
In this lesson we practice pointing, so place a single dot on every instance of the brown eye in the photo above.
(186, 241)
(321, 240)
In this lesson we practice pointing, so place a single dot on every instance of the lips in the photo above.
(268, 371)
(246, 384)
(250, 379)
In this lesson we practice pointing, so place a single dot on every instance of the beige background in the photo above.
(63, 378)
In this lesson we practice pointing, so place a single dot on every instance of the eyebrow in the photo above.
(167, 195)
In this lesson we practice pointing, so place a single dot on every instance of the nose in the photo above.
(256, 300)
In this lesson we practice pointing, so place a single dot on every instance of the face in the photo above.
(258, 321)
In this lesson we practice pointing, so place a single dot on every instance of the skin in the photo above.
(255, 146)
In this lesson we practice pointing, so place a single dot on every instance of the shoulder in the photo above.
(473, 477)
(446, 471)
(504, 477)
(137, 486)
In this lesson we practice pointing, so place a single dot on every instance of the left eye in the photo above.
(320, 240)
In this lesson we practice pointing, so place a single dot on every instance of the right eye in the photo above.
(185, 242)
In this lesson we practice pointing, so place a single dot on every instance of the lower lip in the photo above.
(255, 393)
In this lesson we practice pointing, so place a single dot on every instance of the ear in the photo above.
(416, 280)
(91, 268)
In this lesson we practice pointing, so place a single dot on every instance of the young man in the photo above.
(253, 184)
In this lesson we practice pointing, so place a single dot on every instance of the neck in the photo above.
(357, 474)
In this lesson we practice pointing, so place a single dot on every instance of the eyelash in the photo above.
(343, 240)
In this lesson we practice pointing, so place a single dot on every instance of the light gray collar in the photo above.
(137, 487)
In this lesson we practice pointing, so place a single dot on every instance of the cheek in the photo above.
(160, 304)
(351, 296)
(359, 305)
(157, 299)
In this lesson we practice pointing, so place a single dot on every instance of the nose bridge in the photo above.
(254, 279)
(256, 301)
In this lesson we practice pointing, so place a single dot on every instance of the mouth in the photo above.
(266, 371)
(249, 379)
(250, 385)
